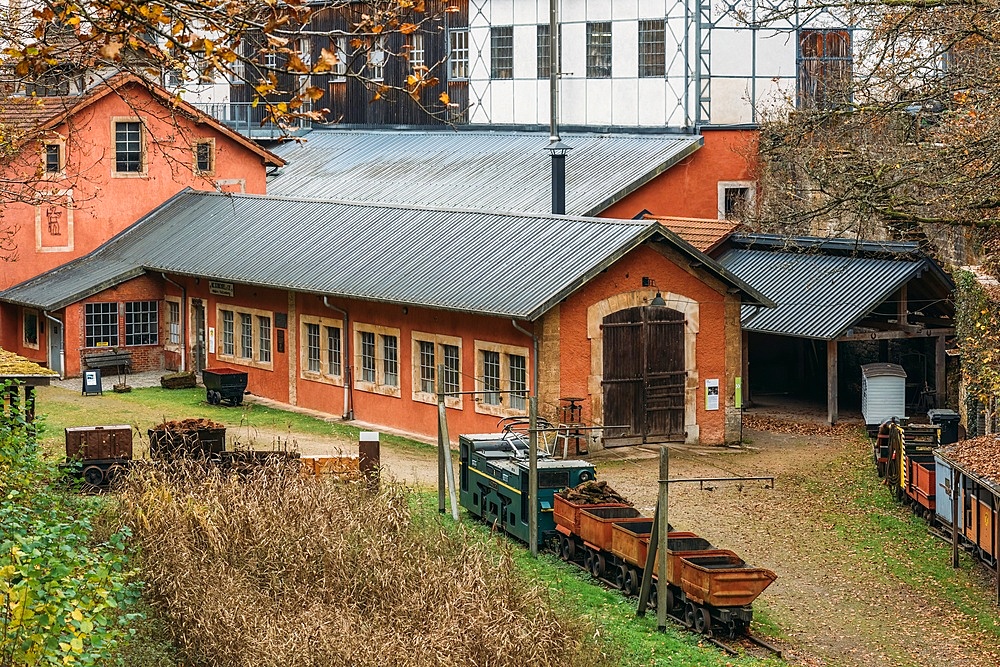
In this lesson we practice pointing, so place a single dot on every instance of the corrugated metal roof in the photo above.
(817, 296)
(497, 170)
(505, 264)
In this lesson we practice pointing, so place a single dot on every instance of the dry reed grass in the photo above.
(275, 569)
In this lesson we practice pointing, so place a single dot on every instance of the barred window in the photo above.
(652, 48)
(246, 336)
(312, 347)
(543, 44)
(427, 369)
(101, 325)
(333, 350)
(367, 356)
(142, 323)
(825, 68)
(390, 361)
(228, 334)
(518, 381)
(451, 368)
(458, 59)
(491, 377)
(599, 50)
(174, 322)
(264, 336)
(53, 158)
(502, 52)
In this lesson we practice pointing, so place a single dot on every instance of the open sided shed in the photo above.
(835, 292)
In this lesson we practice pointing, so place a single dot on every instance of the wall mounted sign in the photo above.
(220, 288)
(211, 340)
(712, 394)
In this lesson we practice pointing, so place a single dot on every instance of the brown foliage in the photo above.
(277, 569)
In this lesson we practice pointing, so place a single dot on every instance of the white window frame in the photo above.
(458, 54)
(505, 352)
(377, 58)
(340, 50)
(439, 341)
(210, 142)
(378, 386)
(324, 374)
(750, 186)
(169, 343)
(24, 329)
(417, 54)
(255, 360)
(61, 146)
(143, 153)
(600, 50)
(113, 329)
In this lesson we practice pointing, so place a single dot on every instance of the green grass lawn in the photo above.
(145, 408)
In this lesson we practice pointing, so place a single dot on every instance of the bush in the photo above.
(61, 591)
(277, 569)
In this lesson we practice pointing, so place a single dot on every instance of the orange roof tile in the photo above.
(703, 233)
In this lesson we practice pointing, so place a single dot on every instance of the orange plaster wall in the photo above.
(626, 276)
(104, 205)
(690, 189)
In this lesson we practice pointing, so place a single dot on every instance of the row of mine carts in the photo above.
(710, 590)
(953, 487)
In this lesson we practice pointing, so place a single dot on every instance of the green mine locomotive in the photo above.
(494, 482)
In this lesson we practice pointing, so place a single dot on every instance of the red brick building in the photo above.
(349, 309)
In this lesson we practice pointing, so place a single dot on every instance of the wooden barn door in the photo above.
(644, 376)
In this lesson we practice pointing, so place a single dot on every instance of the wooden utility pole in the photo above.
(533, 474)
(446, 467)
(954, 517)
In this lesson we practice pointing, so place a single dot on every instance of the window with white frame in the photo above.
(416, 53)
(173, 322)
(101, 325)
(246, 336)
(142, 323)
(458, 58)
(128, 146)
(501, 379)
(376, 60)
(599, 50)
(544, 46)
(430, 351)
(340, 69)
(502, 52)
(30, 328)
(377, 351)
(322, 346)
(652, 48)
(204, 156)
(736, 199)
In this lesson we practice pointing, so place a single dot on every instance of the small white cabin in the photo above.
(883, 392)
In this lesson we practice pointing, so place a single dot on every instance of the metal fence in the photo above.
(253, 121)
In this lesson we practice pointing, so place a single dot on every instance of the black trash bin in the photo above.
(948, 421)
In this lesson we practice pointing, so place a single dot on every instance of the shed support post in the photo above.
(745, 367)
(940, 374)
(831, 382)
(664, 537)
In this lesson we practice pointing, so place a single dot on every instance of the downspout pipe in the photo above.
(534, 366)
(62, 349)
(348, 405)
(183, 320)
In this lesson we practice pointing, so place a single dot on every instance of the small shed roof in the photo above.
(820, 296)
(883, 370)
(504, 264)
(20, 369)
(475, 169)
(705, 234)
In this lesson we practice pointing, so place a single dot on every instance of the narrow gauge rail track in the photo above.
(735, 646)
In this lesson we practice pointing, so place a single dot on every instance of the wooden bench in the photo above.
(109, 359)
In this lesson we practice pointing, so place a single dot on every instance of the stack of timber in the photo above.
(593, 493)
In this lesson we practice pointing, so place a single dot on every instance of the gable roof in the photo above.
(474, 168)
(822, 295)
(503, 264)
(705, 234)
(31, 116)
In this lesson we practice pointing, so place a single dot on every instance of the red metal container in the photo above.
(596, 523)
(567, 514)
(717, 577)
(89, 443)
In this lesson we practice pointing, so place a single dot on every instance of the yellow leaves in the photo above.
(312, 93)
(76, 615)
(111, 50)
(327, 61)
(408, 28)
(444, 98)
(295, 64)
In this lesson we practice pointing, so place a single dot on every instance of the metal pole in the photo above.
(533, 474)
(558, 183)
(553, 71)
(449, 465)
(661, 560)
(954, 517)
(441, 443)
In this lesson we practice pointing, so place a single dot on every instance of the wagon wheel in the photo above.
(690, 614)
(671, 601)
(238, 400)
(703, 621)
(633, 580)
(588, 559)
(116, 472)
(621, 579)
(599, 565)
(93, 475)
(569, 549)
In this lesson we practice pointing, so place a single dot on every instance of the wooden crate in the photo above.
(85, 443)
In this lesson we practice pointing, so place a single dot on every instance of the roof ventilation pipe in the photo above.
(348, 404)
(534, 365)
(183, 320)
